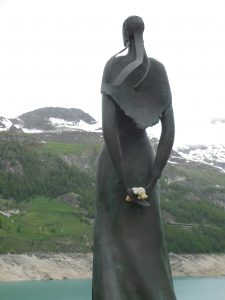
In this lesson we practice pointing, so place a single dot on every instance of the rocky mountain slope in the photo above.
(212, 155)
(76, 126)
(192, 185)
(51, 119)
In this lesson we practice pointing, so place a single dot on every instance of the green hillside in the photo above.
(44, 225)
(50, 190)
(27, 172)
(192, 199)
(63, 148)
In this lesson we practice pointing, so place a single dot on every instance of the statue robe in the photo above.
(130, 256)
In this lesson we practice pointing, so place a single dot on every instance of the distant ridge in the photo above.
(74, 125)
(52, 119)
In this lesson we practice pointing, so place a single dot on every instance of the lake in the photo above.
(187, 288)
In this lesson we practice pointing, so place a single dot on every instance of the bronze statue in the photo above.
(130, 256)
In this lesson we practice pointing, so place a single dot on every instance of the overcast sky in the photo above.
(52, 53)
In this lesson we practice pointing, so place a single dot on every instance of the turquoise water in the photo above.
(187, 288)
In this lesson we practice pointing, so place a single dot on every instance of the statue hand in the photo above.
(151, 184)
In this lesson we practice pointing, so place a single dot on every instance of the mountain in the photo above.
(48, 193)
(49, 173)
(52, 119)
(73, 125)
(212, 155)
(5, 124)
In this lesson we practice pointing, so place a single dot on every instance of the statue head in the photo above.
(132, 26)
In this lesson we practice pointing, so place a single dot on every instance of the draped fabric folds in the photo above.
(146, 103)
(130, 256)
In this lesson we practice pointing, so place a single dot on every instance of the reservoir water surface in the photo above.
(187, 288)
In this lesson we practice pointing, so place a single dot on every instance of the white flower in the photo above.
(140, 192)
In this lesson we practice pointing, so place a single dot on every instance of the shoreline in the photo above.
(47, 266)
(197, 265)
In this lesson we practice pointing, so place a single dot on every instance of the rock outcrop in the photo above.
(79, 265)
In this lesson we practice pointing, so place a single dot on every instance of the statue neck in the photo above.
(136, 48)
(137, 54)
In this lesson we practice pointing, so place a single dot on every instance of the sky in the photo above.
(53, 52)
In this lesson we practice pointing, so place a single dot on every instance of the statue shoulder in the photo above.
(107, 70)
(157, 64)
(159, 74)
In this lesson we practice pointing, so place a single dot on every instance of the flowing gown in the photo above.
(130, 257)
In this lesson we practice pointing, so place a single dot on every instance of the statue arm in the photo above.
(164, 147)
(111, 137)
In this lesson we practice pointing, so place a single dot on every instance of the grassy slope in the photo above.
(49, 225)
(192, 202)
(62, 148)
(43, 224)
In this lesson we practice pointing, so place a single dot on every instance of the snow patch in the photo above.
(213, 155)
(7, 124)
(173, 162)
(81, 125)
(26, 130)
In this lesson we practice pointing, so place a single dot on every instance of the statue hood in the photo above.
(144, 104)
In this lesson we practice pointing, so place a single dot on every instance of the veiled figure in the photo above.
(130, 256)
